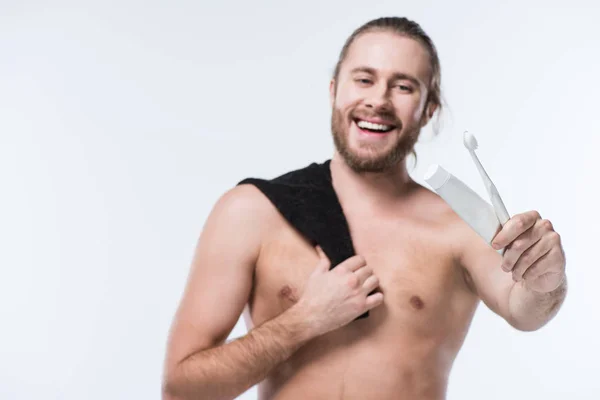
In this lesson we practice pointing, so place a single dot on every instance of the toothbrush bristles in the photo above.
(470, 141)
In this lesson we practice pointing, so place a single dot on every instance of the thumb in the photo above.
(324, 263)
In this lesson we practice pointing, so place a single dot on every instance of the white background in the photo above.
(122, 122)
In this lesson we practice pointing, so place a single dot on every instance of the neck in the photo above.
(381, 190)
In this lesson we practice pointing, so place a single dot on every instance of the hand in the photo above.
(533, 252)
(333, 298)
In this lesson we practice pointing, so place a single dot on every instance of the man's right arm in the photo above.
(226, 371)
(198, 364)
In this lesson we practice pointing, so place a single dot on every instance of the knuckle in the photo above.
(526, 259)
(360, 260)
(554, 237)
(352, 281)
(359, 304)
(547, 225)
(518, 245)
(520, 223)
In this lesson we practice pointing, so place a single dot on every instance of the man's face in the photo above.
(378, 101)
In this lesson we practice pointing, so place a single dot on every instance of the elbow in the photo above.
(532, 322)
(527, 326)
(172, 391)
(532, 314)
(528, 321)
(169, 389)
(176, 387)
(172, 387)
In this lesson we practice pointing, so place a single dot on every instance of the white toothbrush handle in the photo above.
(499, 207)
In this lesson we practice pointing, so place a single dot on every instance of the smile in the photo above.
(373, 127)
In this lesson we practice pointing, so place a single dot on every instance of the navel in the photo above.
(417, 302)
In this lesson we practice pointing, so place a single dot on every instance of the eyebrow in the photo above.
(396, 76)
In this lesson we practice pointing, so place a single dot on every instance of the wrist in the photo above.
(298, 323)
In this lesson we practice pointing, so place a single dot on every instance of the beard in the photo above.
(377, 160)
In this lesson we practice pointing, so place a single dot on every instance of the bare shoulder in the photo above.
(473, 255)
(463, 242)
(434, 209)
(245, 207)
(244, 198)
(240, 220)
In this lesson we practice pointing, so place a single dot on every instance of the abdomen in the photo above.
(348, 365)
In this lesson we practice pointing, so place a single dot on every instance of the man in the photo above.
(419, 270)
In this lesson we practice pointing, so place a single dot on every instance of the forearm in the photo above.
(530, 310)
(226, 371)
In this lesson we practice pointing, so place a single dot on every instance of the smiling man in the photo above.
(357, 283)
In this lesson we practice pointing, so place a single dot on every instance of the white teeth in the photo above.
(372, 126)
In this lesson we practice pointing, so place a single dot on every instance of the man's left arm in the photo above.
(527, 284)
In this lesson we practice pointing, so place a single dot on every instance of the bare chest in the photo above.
(418, 276)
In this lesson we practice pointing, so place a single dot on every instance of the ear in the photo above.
(332, 84)
(428, 113)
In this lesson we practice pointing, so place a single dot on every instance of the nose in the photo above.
(378, 98)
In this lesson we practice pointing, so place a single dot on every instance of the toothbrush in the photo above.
(470, 143)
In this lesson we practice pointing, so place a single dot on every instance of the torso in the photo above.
(405, 348)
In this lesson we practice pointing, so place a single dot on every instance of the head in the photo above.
(388, 73)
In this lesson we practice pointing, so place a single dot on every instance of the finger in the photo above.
(353, 263)
(371, 283)
(529, 257)
(524, 242)
(514, 228)
(551, 261)
(546, 274)
(324, 262)
(363, 273)
(517, 247)
(374, 300)
(538, 268)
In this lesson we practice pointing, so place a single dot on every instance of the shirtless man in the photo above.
(419, 269)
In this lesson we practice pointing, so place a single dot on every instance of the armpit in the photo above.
(469, 280)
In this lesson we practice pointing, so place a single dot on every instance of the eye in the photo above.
(364, 81)
(405, 88)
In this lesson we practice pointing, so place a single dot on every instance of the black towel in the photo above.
(306, 198)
